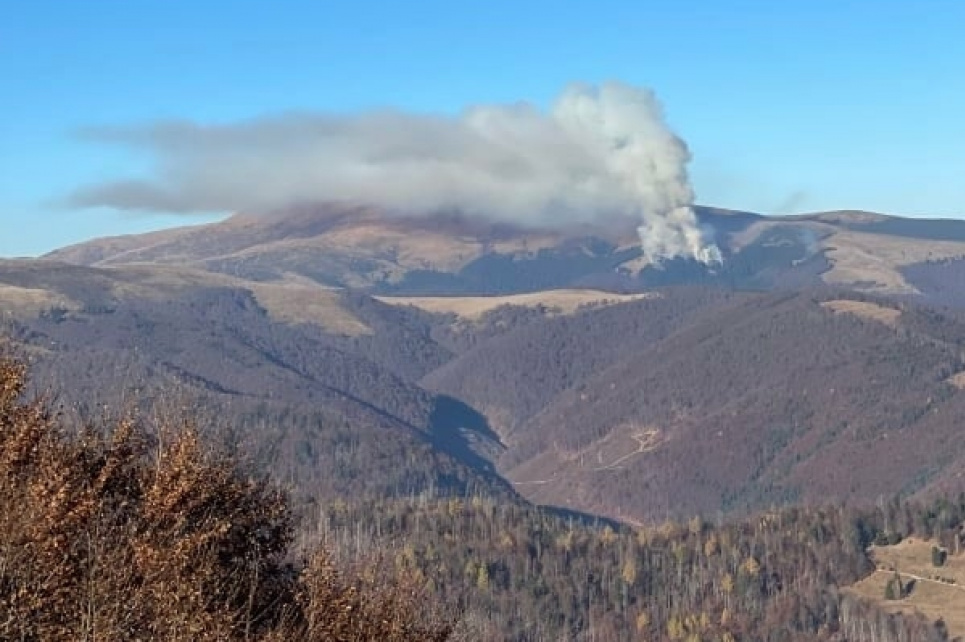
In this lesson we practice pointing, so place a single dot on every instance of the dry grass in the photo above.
(294, 299)
(31, 301)
(934, 598)
(475, 307)
(957, 380)
(913, 555)
(873, 260)
(424, 250)
(858, 258)
(865, 310)
(116, 249)
(308, 304)
(396, 251)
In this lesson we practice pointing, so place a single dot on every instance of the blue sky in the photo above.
(786, 106)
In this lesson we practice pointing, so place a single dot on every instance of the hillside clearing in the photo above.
(865, 310)
(932, 592)
(475, 307)
(957, 380)
(308, 304)
(16, 300)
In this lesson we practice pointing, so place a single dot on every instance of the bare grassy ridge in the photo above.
(36, 288)
(877, 258)
(865, 310)
(867, 261)
(119, 534)
(475, 307)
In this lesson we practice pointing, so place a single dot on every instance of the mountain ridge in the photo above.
(360, 247)
(549, 366)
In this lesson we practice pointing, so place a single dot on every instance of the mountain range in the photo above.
(361, 352)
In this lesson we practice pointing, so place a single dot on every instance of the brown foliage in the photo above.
(363, 607)
(133, 536)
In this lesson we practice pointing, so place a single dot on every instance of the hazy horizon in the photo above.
(788, 108)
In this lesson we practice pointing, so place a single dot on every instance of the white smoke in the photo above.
(599, 152)
(624, 128)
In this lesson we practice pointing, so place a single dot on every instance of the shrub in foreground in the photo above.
(123, 535)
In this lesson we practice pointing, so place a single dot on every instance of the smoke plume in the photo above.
(600, 151)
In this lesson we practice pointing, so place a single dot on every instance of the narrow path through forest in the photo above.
(919, 578)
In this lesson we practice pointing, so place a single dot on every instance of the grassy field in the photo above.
(858, 257)
(292, 299)
(865, 310)
(873, 260)
(474, 307)
(16, 301)
(936, 592)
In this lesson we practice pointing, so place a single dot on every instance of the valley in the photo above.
(440, 322)
(770, 379)
(362, 362)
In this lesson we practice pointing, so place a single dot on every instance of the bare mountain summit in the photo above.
(344, 246)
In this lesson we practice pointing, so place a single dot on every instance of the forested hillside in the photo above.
(689, 400)
(141, 530)
(313, 404)
(525, 574)
(729, 391)
(698, 401)
(514, 374)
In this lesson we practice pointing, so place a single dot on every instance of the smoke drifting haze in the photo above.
(599, 152)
